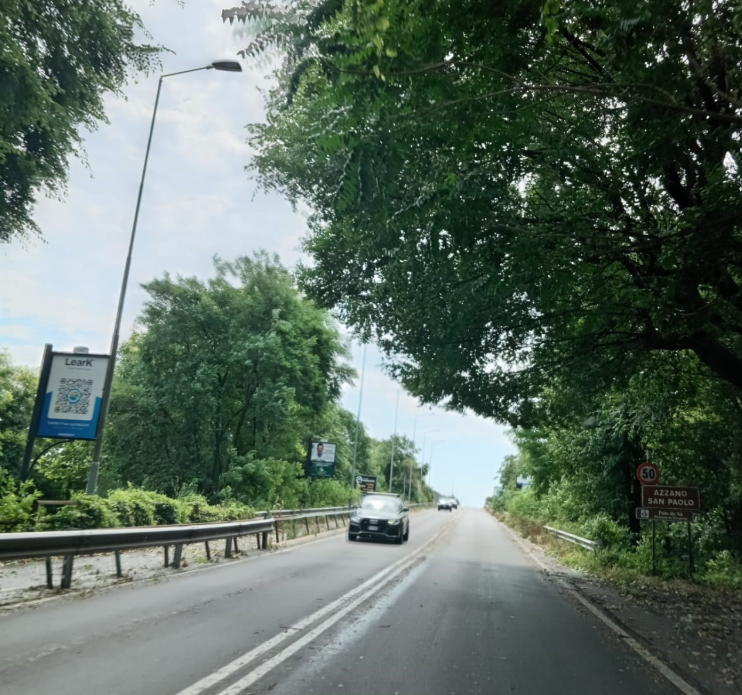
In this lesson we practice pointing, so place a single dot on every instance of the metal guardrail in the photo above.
(571, 538)
(15, 546)
(47, 544)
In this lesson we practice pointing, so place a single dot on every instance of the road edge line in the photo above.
(672, 676)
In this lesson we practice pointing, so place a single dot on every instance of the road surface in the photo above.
(459, 609)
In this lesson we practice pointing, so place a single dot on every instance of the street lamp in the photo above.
(424, 437)
(358, 422)
(414, 439)
(223, 66)
(430, 463)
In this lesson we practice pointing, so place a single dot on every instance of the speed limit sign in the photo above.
(648, 474)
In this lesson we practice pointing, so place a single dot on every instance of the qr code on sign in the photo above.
(73, 396)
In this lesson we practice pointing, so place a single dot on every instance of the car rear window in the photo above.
(381, 504)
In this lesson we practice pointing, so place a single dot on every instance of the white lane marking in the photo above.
(675, 678)
(267, 666)
(373, 583)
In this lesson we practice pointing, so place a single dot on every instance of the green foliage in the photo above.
(88, 512)
(568, 205)
(62, 468)
(16, 504)
(135, 507)
(234, 372)
(59, 62)
(17, 393)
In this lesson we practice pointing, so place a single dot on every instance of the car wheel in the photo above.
(407, 534)
(352, 536)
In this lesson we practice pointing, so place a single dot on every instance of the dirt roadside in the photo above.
(695, 630)
(23, 582)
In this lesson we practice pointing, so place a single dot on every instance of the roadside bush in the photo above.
(195, 509)
(88, 512)
(17, 504)
(524, 504)
(133, 507)
(166, 511)
(724, 570)
(606, 530)
(234, 512)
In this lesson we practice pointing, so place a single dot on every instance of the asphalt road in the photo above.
(459, 609)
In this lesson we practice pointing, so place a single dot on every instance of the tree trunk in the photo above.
(631, 455)
(717, 357)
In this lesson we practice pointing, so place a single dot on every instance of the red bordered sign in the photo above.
(648, 474)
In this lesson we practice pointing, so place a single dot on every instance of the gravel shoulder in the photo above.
(23, 582)
(696, 630)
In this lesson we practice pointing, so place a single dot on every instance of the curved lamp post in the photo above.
(223, 66)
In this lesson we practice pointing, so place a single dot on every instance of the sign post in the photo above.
(46, 363)
(670, 503)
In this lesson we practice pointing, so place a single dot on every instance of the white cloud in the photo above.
(197, 201)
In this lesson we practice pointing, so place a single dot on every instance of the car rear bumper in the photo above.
(383, 534)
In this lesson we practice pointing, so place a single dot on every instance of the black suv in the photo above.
(380, 517)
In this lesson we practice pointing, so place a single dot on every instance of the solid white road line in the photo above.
(675, 678)
(367, 589)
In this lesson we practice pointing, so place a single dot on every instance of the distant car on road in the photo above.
(380, 517)
(446, 503)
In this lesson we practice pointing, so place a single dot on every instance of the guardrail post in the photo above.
(257, 540)
(306, 522)
(167, 555)
(236, 547)
(265, 540)
(208, 550)
(67, 571)
(49, 574)
(228, 547)
(327, 521)
(117, 555)
(278, 532)
(177, 555)
(336, 520)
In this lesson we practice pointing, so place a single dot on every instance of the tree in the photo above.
(517, 190)
(380, 465)
(17, 394)
(222, 374)
(60, 59)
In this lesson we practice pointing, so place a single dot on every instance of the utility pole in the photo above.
(394, 439)
(414, 441)
(358, 422)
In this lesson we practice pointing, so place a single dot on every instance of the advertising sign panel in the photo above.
(322, 460)
(366, 483)
(73, 396)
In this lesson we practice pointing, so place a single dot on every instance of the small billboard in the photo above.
(322, 460)
(73, 396)
(366, 483)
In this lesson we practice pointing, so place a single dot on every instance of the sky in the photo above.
(198, 202)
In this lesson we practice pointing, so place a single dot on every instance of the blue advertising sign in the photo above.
(74, 392)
